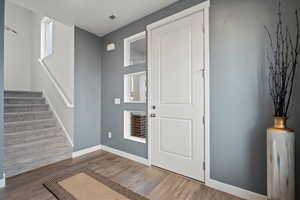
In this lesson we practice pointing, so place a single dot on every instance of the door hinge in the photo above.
(203, 166)
(203, 119)
(203, 29)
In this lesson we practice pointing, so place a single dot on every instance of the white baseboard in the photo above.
(2, 182)
(126, 155)
(233, 190)
(86, 151)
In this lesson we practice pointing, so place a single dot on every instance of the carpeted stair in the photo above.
(33, 138)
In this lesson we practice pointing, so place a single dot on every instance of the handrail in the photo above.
(56, 84)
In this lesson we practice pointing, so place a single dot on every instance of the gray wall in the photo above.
(88, 53)
(113, 87)
(112, 82)
(240, 103)
(1, 84)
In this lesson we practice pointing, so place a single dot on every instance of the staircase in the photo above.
(33, 137)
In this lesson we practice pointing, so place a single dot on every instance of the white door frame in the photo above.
(200, 7)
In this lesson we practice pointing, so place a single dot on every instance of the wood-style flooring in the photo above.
(152, 182)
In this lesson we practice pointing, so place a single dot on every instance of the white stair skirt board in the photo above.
(233, 190)
(86, 151)
(129, 156)
(67, 134)
(2, 182)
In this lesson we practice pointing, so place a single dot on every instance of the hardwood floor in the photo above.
(152, 182)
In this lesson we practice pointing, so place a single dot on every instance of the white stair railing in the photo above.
(57, 86)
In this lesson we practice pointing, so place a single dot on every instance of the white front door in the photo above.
(177, 95)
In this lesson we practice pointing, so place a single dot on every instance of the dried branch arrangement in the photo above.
(282, 57)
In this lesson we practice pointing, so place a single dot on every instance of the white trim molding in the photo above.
(67, 102)
(127, 42)
(233, 190)
(67, 134)
(184, 13)
(206, 94)
(129, 156)
(128, 87)
(86, 151)
(2, 181)
(127, 124)
(45, 49)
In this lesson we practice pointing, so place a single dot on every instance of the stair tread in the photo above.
(37, 147)
(54, 140)
(12, 157)
(30, 112)
(39, 158)
(27, 137)
(12, 127)
(28, 122)
(11, 93)
(27, 116)
(27, 98)
(27, 161)
(13, 108)
(24, 105)
(21, 91)
(22, 167)
(34, 131)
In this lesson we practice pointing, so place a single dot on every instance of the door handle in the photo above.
(152, 115)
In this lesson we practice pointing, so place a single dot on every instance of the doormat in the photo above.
(87, 185)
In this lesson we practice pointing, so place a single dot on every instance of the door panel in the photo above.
(177, 91)
(180, 133)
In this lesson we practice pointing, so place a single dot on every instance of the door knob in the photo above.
(153, 115)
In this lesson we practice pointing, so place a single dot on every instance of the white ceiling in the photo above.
(93, 15)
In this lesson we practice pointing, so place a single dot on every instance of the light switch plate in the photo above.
(117, 101)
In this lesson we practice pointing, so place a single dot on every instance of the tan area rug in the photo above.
(86, 185)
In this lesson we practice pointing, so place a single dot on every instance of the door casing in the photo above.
(205, 8)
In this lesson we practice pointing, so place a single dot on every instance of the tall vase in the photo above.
(281, 161)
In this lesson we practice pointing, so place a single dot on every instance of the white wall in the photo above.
(24, 72)
(60, 65)
(61, 62)
(17, 49)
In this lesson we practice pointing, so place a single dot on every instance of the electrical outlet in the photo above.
(109, 134)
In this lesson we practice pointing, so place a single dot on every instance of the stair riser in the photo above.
(24, 101)
(17, 117)
(38, 150)
(11, 109)
(29, 126)
(26, 137)
(20, 168)
(22, 94)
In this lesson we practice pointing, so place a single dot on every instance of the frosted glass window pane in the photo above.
(138, 51)
(49, 38)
